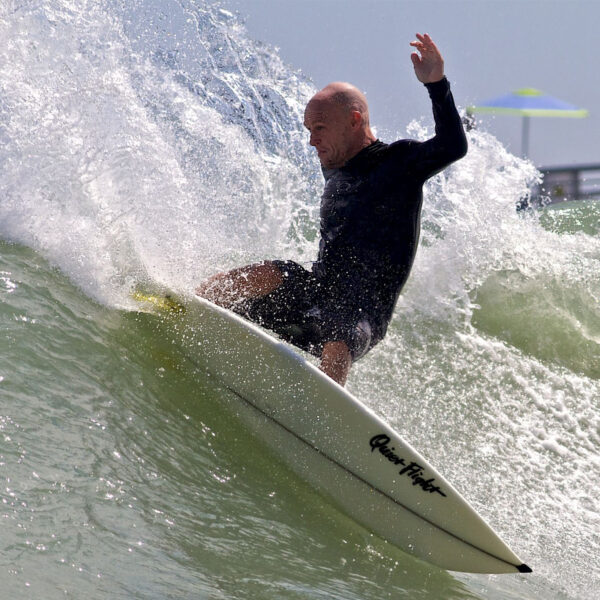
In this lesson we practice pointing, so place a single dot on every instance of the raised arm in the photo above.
(449, 143)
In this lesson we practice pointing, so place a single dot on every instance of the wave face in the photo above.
(148, 140)
(152, 141)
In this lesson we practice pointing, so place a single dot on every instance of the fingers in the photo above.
(427, 61)
(425, 39)
(416, 59)
(424, 44)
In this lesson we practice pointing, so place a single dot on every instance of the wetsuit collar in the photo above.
(363, 157)
(366, 153)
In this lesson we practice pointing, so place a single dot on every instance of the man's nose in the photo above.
(313, 140)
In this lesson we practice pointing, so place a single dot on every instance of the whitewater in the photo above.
(153, 142)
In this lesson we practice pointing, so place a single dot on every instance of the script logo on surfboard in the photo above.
(410, 469)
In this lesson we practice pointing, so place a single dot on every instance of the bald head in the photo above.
(338, 120)
(347, 96)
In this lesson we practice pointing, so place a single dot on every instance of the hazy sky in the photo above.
(490, 47)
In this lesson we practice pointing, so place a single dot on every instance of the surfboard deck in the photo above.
(335, 442)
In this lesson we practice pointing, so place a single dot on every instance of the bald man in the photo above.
(370, 223)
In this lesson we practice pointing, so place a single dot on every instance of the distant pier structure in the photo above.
(560, 184)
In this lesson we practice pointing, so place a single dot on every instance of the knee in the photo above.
(252, 281)
(262, 278)
(362, 337)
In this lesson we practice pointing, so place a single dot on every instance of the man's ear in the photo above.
(356, 119)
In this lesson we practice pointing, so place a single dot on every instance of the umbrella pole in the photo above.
(525, 138)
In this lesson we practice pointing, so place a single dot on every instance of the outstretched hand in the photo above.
(428, 62)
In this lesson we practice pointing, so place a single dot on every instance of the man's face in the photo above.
(330, 127)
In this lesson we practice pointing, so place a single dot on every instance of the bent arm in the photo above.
(449, 142)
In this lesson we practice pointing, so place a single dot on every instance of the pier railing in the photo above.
(576, 182)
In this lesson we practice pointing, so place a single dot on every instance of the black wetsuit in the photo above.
(370, 223)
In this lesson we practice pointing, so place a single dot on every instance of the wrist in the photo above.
(435, 82)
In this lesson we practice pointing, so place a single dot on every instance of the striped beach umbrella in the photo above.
(526, 103)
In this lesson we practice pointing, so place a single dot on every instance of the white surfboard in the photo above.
(337, 443)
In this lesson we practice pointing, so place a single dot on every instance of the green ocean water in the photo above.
(125, 474)
(154, 143)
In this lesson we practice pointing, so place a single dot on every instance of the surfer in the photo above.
(370, 222)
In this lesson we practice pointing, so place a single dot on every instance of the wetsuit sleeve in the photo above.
(449, 143)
